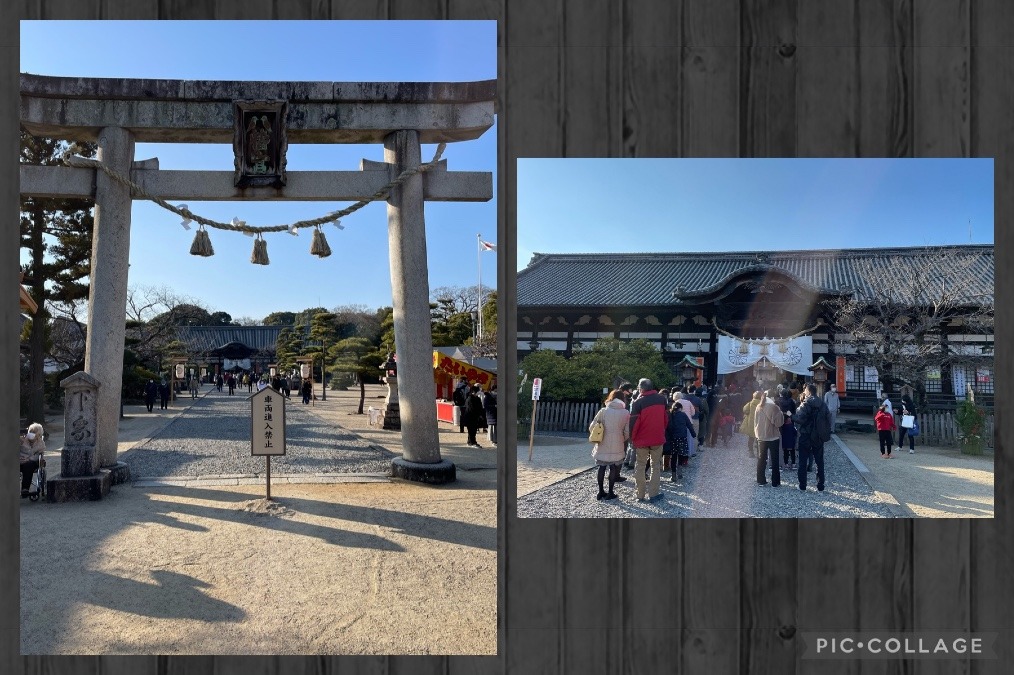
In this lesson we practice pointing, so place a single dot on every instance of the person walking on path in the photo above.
(768, 420)
(810, 443)
(307, 391)
(610, 451)
(788, 429)
(32, 448)
(833, 403)
(163, 395)
(489, 406)
(885, 426)
(473, 415)
(746, 427)
(150, 392)
(232, 384)
(677, 434)
(907, 408)
(648, 420)
(193, 387)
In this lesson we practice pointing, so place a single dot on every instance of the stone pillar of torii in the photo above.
(118, 113)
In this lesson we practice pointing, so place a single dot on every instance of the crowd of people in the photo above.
(656, 432)
(475, 409)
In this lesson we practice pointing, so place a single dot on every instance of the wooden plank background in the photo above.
(661, 78)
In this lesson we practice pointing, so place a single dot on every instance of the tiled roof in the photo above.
(624, 279)
(206, 338)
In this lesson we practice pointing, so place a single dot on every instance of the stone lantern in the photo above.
(820, 374)
(392, 417)
(688, 370)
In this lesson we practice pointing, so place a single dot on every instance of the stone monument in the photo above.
(81, 477)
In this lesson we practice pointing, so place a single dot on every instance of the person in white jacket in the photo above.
(610, 451)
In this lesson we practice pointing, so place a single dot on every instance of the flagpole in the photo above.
(478, 304)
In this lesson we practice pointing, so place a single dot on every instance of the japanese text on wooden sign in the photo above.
(536, 388)
(268, 423)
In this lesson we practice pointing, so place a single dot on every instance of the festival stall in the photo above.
(451, 363)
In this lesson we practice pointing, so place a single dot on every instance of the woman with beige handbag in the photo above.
(609, 432)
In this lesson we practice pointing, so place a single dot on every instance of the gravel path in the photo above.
(212, 438)
(719, 482)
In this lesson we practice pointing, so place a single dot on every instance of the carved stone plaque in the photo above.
(259, 143)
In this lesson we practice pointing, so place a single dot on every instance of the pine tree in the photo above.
(57, 234)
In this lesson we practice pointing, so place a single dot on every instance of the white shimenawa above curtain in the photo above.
(794, 355)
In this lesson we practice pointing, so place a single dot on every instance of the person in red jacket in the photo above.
(885, 429)
(649, 418)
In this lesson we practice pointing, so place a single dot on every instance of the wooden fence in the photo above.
(564, 415)
(936, 427)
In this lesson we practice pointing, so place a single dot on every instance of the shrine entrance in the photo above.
(260, 120)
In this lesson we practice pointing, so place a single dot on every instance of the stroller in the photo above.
(726, 428)
(38, 487)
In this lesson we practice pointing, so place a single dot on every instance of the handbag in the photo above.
(596, 433)
(914, 431)
(908, 421)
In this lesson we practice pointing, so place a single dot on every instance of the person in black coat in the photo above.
(788, 430)
(163, 395)
(809, 445)
(676, 438)
(150, 392)
(489, 407)
(472, 415)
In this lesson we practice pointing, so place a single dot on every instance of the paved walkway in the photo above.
(935, 482)
(138, 426)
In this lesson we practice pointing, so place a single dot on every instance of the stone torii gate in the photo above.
(260, 119)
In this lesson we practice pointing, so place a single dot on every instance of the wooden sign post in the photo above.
(267, 437)
(536, 391)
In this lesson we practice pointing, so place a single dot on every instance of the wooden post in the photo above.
(269, 478)
(531, 435)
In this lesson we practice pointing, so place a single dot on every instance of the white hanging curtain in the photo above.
(794, 355)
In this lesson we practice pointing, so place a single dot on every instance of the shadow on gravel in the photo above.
(428, 527)
(171, 596)
(167, 511)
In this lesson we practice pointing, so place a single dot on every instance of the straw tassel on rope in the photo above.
(202, 244)
(319, 247)
(260, 251)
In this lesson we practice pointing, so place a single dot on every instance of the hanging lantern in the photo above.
(304, 370)
(202, 244)
(260, 251)
(319, 246)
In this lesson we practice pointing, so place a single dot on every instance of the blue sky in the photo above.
(331, 51)
(639, 205)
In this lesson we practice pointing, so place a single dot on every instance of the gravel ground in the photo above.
(719, 482)
(212, 438)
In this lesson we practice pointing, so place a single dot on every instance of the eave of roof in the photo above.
(648, 279)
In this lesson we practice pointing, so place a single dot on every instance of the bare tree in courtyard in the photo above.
(897, 314)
